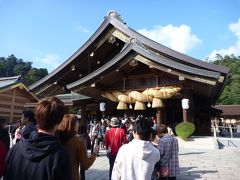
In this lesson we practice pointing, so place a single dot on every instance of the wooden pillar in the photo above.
(159, 116)
(164, 114)
(12, 106)
(83, 112)
(103, 113)
(103, 109)
(185, 107)
(185, 115)
(188, 112)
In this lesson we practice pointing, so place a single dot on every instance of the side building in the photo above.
(14, 95)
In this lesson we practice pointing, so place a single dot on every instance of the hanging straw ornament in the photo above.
(122, 106)
(139, 106)
(157, 103)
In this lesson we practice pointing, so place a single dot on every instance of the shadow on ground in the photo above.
(96, 174)
(187, 173)
(189, 153)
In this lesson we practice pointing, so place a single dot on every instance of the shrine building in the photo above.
(133, 75)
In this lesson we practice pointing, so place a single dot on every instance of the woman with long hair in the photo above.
(67, 131)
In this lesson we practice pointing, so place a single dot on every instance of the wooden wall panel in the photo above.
(5, 98)
(10, 92)
(12, 103)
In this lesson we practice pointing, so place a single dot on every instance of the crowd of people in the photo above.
(49, 144)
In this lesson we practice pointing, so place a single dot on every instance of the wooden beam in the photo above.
(7, 103)
(10, 96)
(7, 110)
(123, 37)
(171, 71)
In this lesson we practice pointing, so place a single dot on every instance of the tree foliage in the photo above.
(35, 74)
(12, 66)
(231, 92)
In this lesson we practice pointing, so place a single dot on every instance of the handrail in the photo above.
(230, 141)
(217, 130)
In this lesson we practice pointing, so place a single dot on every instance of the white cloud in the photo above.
(235, 28)
(82, 29)
(51, 61)
(235, 48)
(178, 38)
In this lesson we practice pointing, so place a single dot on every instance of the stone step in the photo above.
(198, 142)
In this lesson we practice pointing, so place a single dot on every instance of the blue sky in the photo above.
(48, 32)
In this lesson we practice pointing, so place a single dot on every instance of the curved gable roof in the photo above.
(163, 49)
(63, 66)
(160, 54)
(131, 51)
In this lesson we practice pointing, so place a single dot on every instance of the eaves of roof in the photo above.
(133, 49)
(229, 110)
(8, 81)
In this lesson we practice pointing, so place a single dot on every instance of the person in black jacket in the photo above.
(41, 157)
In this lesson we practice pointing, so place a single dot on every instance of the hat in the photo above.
(114, 122)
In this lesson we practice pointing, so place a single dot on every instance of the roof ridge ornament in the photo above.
(136, 41)
(116, 15)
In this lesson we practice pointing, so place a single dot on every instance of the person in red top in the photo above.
(114, 139)
(3, 155)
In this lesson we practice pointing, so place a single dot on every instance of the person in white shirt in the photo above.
(136, 159)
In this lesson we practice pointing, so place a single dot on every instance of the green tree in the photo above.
(9, 64)
(35, 74)
(12, 66)
(22, 68)
(2, 72)
(231, 92)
